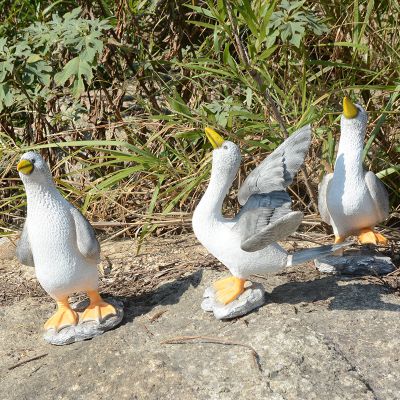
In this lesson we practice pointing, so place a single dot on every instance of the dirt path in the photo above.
(317, 337)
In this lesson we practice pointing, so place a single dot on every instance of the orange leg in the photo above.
(98, 309)
(339, 239)
(229, 289)
(368, 235)
(64, 316)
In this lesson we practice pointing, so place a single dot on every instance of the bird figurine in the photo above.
(61, 244)
(351, 199)
(247, 244)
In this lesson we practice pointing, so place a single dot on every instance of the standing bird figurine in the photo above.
(351, 199)
(61, 244)
(246, 244)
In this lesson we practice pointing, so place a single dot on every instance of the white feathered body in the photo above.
(60, 267)
(215, 233)
(247, 244)
(349, 202)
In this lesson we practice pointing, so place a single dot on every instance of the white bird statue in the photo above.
(61, 244)
(351, 199)
(246, 244)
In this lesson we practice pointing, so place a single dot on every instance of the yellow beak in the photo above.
(215, 139)
(349, 109)
(25, 167)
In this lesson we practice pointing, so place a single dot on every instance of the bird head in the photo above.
(354, 118)
(32, 168)
(226, 155)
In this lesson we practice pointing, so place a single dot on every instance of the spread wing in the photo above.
(379, 194)
(265, 219)
(277, 171)
(322, 204)
(86, 239)
(24, 252)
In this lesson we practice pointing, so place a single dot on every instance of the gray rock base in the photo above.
(85, 330)
(355, 264)
(252, 298)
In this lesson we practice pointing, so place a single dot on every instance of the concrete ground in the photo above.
(317, 337)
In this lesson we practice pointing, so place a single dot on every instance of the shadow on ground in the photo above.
(344, 294)
(165, 295)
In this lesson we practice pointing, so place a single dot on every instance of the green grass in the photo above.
(144, 161)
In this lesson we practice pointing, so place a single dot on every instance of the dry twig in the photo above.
(27, 361)
(208, 339)
(157, 315)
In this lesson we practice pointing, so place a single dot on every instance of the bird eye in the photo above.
(225, 147)
(33, 161)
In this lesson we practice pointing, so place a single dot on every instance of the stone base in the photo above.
(355, 263)
(85, 330)
(252, 298)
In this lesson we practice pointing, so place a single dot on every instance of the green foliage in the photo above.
(32, 64)
(12, 11)
(291, 21)
(117, 94)
(224, 111)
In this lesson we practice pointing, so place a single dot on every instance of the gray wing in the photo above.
(379, 194)
(24, 252)
(87, 242)
(265, 219)
(277, 171)
(322, 192)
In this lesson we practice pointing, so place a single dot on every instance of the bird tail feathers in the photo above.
(302, 256)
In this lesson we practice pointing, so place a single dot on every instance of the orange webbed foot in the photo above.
(64, 316)
(369, 236)
(98, 309)
(228, 289)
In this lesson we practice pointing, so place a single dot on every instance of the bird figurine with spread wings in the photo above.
(61, 244)
(351, 199)
(247, 244)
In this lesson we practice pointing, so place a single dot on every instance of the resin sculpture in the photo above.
(61, 244)
(351, 199)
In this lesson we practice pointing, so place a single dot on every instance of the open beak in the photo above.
(25, 167)
(349, 109)
(215, 139)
